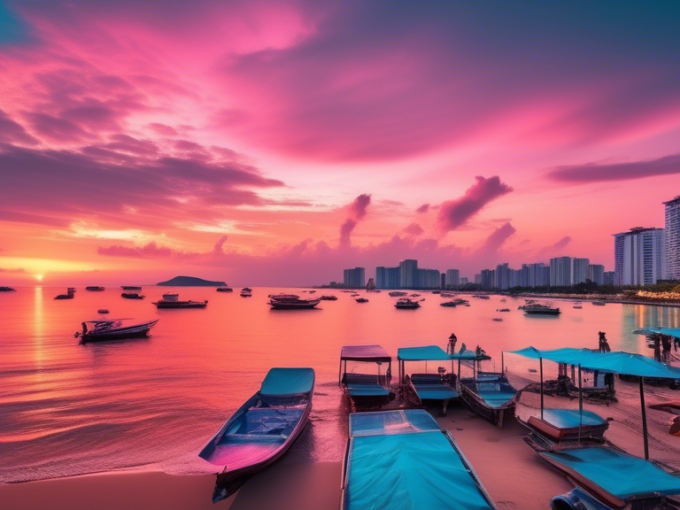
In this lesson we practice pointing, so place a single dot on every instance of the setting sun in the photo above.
(39, 277)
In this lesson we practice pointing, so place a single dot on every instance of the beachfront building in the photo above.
(539, 275)
(452, 278)
(560, 272)
(487, 279)
(581, 271)
(428, 279)
(640, 256)
(672, 238)
(354, 278)
(502, 276)
(596, 273)
(408, 274)
(609, 278)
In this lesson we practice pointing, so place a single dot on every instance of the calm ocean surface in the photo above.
(68, 409)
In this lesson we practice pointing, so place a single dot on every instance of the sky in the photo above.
(278, 142)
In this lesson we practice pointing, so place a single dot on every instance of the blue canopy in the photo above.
(403, 460)
(674, 332)
(618, 473)
(436, 353)
(624, 363)
(288, 381)
(572, 418)
(364, 353)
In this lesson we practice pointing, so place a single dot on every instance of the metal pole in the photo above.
(541, 361)
(340, 373)
(502, 362)
(644, 417)
(580, 403)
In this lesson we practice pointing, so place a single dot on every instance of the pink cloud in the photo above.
(413, 230)
(357, 210)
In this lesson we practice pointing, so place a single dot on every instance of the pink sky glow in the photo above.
(276, 143)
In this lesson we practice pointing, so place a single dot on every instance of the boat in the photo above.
(481, 296)
(447, 295)
(172, 301)
(70, 294)
(599, 303)
(366, 391)
(246, 292)
(461, 301)
(354, 295)
(94, 288)
(497, 319)
(403, 459)
(415, 295)
(329, 298)
(113, 329)
(312, 292)
(407, 304)
(578, 306)
(540, 309)
(503, 309)
(7, 289)
(262, 430)
(397, 293)
(102, 311)
(436, 292)
(448, 304)
(291, 302)
(225, 289)
(132, 295)
(131, 287)
(361, 300)
(606, 474)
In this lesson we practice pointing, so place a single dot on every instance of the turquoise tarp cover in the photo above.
(367, 390)
(288, 381)
(620, 474)
(674, 332)
(435, 392)
(401, 460)
(436, 353)
(496, 398)
(570, 418)
(617, 362)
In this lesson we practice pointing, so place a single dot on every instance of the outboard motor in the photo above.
(577, 499)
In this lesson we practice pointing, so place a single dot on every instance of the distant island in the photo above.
(189, 281)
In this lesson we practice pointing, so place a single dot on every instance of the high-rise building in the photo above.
(560, 272)
(381, 277)
(539, 275)
(609, 278)
(443, 281)
(580, 272)
(464, 281)
(672, 234)
(393, 277)
(640, 256)
(408, 274)
(387, 277)
(355, 278)
(487, 279)
(478, 278)
(453, 278)
(596, 273)
(523, 276)
(502, 276)
(428, 279)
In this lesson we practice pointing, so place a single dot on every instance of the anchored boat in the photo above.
(407, 304)
(172, 301)
(291, 302)
(70, 294)
(246, 292)
(540, 309)
(225, 289)
(262, 430)
(94, 288)
(113, 329)
(366, 391)
(328, 298)
(131, 295)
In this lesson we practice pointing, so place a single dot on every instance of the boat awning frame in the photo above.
(367, 353)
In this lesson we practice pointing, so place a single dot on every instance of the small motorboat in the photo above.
(362, 300)
(291, 302)
(132, 295)
(329, 298)
(312, 292)
(540, 309)
(225, 289)
(113, 329)
(397, 293)
(503, 310)
(448, 304)
(131, 287)
(246, 292)
(103, 311)
(436, 292)
(415, 295)
(461, 301)
(599, 303)
(497, 319)
(366, 391)
(262, 430)
(70, 294)
(95, 288)
(172, 301)
(407, 304)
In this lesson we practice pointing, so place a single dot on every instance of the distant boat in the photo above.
(132, 295)
(70, 292)
(397, 293)
(130, 287)
(329, 298)
(172, 301)
(102, 310)
(407, 304)
(312, 291)
(291, 302)
(460, 301)
(481, 296)
(7, 289)
(113, 329)
(448, 304)
(498, 319)
(436, 292)
(447, 295)
(225, 289)
(246, 292)
(94, 288)
(503, 310)
(599, 303)
(540, 309)
(262, 430)
(362, 300)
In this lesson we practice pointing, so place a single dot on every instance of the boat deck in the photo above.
(431, 387)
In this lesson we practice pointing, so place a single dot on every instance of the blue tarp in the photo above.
(401, 460)
(367, 390)
(674, 332)
(364, 353)
(616, 362)
(288, 381)
(618, 473)
(436, 353)
(435, 392)
(570, 418)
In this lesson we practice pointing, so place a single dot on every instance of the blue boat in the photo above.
(366, 391)
(403, 459)
(604, 472)
(262, 430)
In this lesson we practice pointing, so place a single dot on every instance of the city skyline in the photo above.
(278, 145)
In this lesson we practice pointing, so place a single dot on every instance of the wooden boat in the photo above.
(559, 426)
(70, 294)
(132, 295)
(541, 309)
(366, 391)
(113, 329)
(434, 389)
(131, 287)
(172, 301)
(497, 319)
(407, 304)
(361, 300)
(328, 298)
(246, 292)
(490, 395)
(448, 304)
(291, 302)
(403, 459)
(262, 430)
(95, 288)
(225, 289)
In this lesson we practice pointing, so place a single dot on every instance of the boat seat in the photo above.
(367, 390)
(435, 392)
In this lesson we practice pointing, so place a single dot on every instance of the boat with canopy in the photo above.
(366, 391)
(262, 430)
(403, 459)
(113, 329)
(291, 302)
(603, 471)
(172, 301)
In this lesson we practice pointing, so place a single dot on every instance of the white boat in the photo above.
(246, 292)
(172, 301)
(113, 329)
(291, 302)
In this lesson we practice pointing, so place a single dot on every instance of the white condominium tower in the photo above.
(673, 238)
(639, 256)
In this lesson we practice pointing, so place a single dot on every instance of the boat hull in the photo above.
(180, 304)
(137, 331)
(494, 414)
(293, 306)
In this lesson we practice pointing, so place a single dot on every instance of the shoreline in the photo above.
(600, 297)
